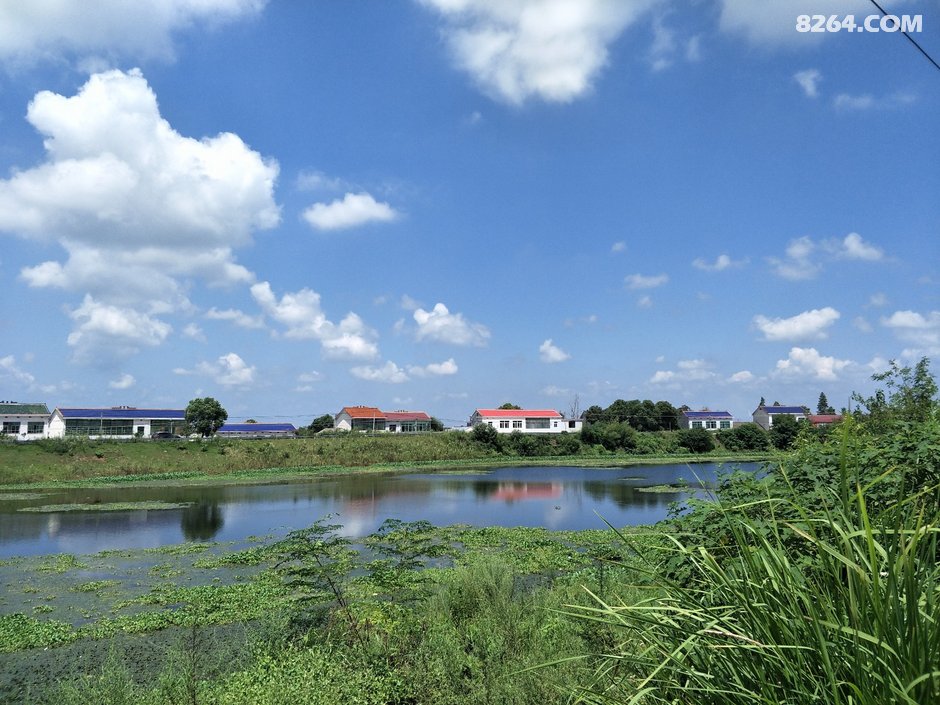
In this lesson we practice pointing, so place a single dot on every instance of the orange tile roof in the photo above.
(363, 412)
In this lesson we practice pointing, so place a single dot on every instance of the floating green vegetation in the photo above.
(95, 585)
(664, 488)
(60, 563)
(107, 507)
(19, 496)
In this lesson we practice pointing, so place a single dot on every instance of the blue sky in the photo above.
(449, 204)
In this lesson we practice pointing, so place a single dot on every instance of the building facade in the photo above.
(359, 418)
(525, 421)
(407, 422)
(257, 430)
(24, 422)
(117, 422)
(764, 415)
(709, 420)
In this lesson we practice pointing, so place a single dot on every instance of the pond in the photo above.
(89, 520)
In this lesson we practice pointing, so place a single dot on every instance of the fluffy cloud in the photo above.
(867, 101)
(301, 314)
(854, 247)
(923, 332)
(353, 210)
(228, 370)
(546, 49)
(125, 381)
(41, 29)
(687, 371)
(809, 325)
(112, 331)
(742, 377)
(640, 281)
(808, 363)
(550, 353)
(138, 208)
(775, 22)
(809, 81)
(435, 369)
(721, 263)
(389, 373)
(440, 325)
(11, 372)
(239, 318)
(798, 264)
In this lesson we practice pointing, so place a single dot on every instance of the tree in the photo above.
(763, 402)
(320, 423)
(697, 440)
(574, 410)
(822, 406)
(205, 415)
(593, 414)
(250, 421)
(911, 394)
(508, 405)
(436, 424)
(784, 431)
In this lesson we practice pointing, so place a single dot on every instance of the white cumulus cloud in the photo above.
(807, 363)
(547, 49)
(551, 353)
(721, 263)
(809, 81)
(434, 369)
(854, 247)
(302, 316)
(112, 330)
(125, 381)
(741, 377)
(239, 318)
(228, 370)
(440, 325)
(809, 325)
(921, 331)
(45, 29)
(389, 373)
(769, 23)
(641, 281)
(353, 210)
(10, 371)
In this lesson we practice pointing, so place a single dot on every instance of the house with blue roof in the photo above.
(257, 430)
(709, 420)
(117, 422)
(764, 415)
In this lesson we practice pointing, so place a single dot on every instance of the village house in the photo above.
(709, 420)
(118, 422)
(24, 422)
(764, 415)
(525, 421)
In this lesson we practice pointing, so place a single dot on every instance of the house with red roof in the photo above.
(371, 418)
(525, 421)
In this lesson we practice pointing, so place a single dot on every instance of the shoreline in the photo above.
(283, 475)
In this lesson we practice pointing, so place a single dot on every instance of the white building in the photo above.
(525, 420)
(116, 422)
(24, 422)
(709, 420)
(764, 415)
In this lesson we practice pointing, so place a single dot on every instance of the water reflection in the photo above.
(554, 497)
(202, 521)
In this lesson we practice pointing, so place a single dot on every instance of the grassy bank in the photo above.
(82, 461)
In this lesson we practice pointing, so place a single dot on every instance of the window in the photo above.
(696, 424)
(537, 423)
(517, 423)
(504, 424)
(99, 427)
(572, 424)
(724, 424)
(711, 425)
(35, 427)
(11, 427)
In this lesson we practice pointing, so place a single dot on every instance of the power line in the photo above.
(909, 37)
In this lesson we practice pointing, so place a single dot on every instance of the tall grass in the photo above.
(813, 599)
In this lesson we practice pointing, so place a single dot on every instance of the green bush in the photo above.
(697, 440)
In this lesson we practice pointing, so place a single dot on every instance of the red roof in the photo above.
(519, 413)
(406, 416)
(363, 412)
(822, 419)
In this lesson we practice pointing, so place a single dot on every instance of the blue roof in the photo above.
(784, 409)
(257, 428)
(707, 414)
(122, 413)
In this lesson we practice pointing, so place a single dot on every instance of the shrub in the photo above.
(696, 440)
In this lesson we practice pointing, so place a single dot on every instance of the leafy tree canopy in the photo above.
(911, 394)
(508, 405)
(320, 423)
(205, 415)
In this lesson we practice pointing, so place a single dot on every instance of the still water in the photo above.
(567, 498)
